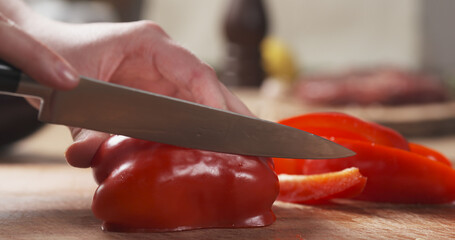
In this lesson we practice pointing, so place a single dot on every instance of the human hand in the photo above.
(139, 55)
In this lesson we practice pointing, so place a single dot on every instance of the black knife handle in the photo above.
(9, 77)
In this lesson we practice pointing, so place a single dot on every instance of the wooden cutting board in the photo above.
(52, 201)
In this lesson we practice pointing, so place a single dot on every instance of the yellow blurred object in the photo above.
(277, 60)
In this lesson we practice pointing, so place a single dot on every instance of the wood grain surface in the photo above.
(41, 197)
(52, 201)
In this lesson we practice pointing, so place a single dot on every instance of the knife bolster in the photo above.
(30, 87)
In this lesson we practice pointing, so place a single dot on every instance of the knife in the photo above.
(122, 110)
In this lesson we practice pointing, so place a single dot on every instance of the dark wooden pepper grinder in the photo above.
(245, 25)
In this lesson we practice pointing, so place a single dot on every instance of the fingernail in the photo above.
(70, 76)
(67, 75)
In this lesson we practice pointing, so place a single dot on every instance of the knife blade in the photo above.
(122, 110)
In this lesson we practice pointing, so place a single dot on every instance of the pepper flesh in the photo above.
(148, 186)
(397, 174)
(320, 188)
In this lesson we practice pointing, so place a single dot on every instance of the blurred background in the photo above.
(322, 35)
(387, 61)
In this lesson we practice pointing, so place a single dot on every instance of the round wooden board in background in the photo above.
(423, 120)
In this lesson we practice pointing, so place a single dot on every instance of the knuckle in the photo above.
(208, 70)
(149, 26)
(204, 69)
(203, 73)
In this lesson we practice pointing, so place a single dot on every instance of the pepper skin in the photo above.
(338, 125)
(395, 174)
(148, 186)
(429, 153)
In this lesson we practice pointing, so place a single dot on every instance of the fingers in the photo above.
(34, 58)
(189, 74)
(199, 78)
(185, 75)
(86, 143)
(233, 103)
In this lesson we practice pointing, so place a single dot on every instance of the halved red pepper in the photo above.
(395, 174)
(147, 186)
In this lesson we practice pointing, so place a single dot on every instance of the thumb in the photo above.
(34, 58)
(86, 144)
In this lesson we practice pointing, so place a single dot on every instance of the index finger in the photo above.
(34, 58)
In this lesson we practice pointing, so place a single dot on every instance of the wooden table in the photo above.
(41, 197)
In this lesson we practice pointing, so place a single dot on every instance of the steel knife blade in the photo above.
(121, 110)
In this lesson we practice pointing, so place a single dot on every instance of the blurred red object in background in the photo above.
(385, 86)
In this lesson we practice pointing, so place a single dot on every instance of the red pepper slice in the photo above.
(394, 174)
(429, 153)
(339, 125)
(147, 186)
(320, 188)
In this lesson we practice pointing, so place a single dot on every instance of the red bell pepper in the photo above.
(395, 173)
(147, 186)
